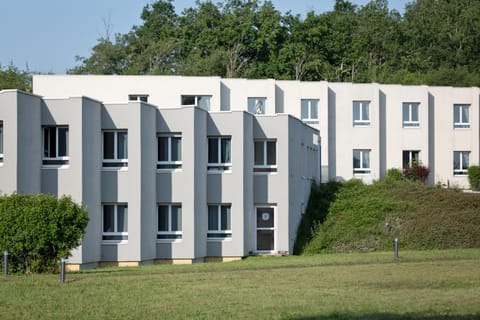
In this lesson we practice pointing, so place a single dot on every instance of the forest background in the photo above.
(435, 42)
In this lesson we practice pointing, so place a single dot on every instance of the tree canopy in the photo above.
(435, 42)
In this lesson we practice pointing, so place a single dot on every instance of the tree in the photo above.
(38, 230)
(13, 78)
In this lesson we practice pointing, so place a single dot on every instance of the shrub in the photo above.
(416, 172)
(38, 230)
(474, 177)
(395, 174)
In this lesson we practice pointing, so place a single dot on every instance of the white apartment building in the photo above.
(182, 169)
(181, 182)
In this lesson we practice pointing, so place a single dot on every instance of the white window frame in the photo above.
(461, 171)
(364, 119)
(462, 123)
(138, 97)
(115, 163)
(123, 234)
(219, 166)
(409, 123)
(362, 169)
(57, 161)
(226, 234)
(170, 164)
(264, 168)
(311, 104)
(169, 235)
(257, 105)
(2, 133)
(411, 157)
(197, 99)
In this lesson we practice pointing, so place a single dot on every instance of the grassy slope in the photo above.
(421, 217)
(420, 285)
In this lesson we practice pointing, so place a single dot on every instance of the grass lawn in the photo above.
(420, 285)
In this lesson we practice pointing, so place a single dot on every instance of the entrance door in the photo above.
(265, 229)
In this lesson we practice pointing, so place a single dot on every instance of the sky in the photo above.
(45, 36)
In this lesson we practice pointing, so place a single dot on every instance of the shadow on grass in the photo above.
(390, 316)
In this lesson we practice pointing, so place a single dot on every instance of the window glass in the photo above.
(162, 148)
(204, 102)
(176, 148)
(361, 115)
(225, 150)
(122, 218)
(188, 100)
(163, 218)
(122, 145)
(225, 218)
(62, 142)
(108, 145)
(212, 218)
(304, 106)
(108, 218)
(213, 150)
(313, 109)
(271, 153)
(410, 114)
(259, 153)
(256, 105)
(176, 218)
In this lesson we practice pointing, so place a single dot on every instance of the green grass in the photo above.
(420, 285)
(422, 217)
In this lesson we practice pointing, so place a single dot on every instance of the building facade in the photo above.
(162, 184)
(184, 169)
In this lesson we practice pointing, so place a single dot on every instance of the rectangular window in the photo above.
(169, 151)
(219, 225)
(115, 222)
(410, 115)
(256, 105)
(138, 97)
(309, 110)
(1, 141)
(219, 154)
(169, 222)
(197, 101)
(55, 145)
(361, 161)
(115, 149)
(361, 113)
(265, 156)
(410, 157)
(461, 116)
(461, 162)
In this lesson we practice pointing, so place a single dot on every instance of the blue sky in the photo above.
(46, 35)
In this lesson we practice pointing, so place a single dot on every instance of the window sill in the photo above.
(360, 125)
(462, 128)
(219, 171)
(219, 239)
(114, 168)
(114, 242)
(54, 166)
(169, 240)
(169, 170)
(265, 173)
(362, 173)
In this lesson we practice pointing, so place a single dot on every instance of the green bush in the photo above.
(422, 217)
(474, 177)
(321, 196)
(38, 230)
(394, 174)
